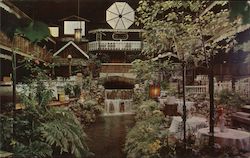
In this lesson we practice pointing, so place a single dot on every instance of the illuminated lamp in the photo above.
(78, 34)
(155, 90)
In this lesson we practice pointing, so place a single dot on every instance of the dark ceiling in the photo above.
(50, 11)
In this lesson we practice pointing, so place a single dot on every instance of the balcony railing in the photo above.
(24, 47)
(65, 62)
(115, 45)
(196, 89)
(116, 68)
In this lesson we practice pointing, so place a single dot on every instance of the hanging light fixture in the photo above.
(78, 34)
(78, 31)
(154, 91)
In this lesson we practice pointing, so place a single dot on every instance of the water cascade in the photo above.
(118, 101)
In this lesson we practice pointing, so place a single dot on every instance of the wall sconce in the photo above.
(78, 34)
(155, 91)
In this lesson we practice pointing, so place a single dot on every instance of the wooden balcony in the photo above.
(115, 45)
(66, 62)
(116, 69)
(25, 48)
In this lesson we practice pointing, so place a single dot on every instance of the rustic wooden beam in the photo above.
(19, 52)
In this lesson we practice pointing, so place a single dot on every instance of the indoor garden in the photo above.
(124, 79)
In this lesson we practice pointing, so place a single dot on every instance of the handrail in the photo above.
(25, 48)
(115, 45)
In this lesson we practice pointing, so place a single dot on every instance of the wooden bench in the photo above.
(241, 119)
(246, 108)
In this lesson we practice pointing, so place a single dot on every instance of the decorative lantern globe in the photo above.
(78, 34)
(154, 91)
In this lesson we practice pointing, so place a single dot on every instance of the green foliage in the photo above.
(230, 98)
(87, 83)
(68, 89)
(65, 132)
(138, 97)
(94, 65)
(146, 109)
(87, 111)
(34, 149)
(153, 70)
(6, 131)
(149, 137)
(240, 9)
(40, 130)
(77, 90)
(181, 28)
(36, 31)
(144, 70)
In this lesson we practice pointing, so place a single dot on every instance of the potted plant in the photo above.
(68, 90)
(77, 90)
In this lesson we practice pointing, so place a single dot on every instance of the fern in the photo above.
(34, 149)
(65, 132)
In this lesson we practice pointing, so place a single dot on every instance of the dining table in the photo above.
(193, 124)
(229, 137)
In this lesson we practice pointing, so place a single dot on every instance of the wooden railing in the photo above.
(116, 68)
(196, 89)
(242, 86)
(115, 45)
(24, 47)
(219, 86)
(65, 62)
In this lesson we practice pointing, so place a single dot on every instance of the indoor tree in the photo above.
(189, 30)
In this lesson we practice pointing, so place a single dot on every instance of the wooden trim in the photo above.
(19, 52)
(66, 45)
(76, 18)
(4, 56)
(116, 64)
(116, 30)
(19, 14)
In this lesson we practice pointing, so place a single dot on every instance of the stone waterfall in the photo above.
(118, 101)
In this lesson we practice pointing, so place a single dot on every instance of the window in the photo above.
(54, 31)
(70, 26)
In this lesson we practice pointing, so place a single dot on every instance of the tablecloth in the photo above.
(231, 137)
(193, 124)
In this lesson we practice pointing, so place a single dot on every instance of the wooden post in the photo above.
(14, 80)
(211, 98)
(184, 117)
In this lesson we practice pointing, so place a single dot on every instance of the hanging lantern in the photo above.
(78, 34)
(154, 90)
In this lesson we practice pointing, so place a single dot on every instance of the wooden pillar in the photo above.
(211, 98)
(184, 117)
(14, 80)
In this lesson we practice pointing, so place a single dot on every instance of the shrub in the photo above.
(87, 111)
(68, 89)
(149, 137)
(40, 130)
(77, 90)
(145, 110)
(230, 98)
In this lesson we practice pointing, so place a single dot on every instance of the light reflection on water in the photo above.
(108, 135)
